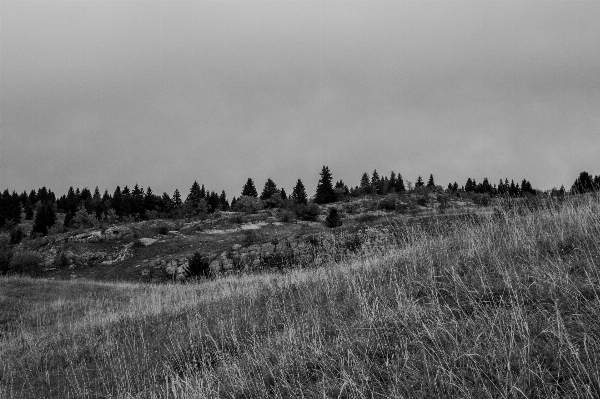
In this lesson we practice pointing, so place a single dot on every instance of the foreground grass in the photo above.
(499, 306)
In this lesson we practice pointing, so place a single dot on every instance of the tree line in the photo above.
(83, 207)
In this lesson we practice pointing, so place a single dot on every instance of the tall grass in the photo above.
(500, 305)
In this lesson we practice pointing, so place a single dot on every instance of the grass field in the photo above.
(502, 305)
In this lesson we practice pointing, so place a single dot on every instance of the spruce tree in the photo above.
(177, 199)
(430, 182)
(223, 201)
(195, 195)
(269, 190)
(249, 190)
(365, 183)
(283, 194)
(400, 184)
(45, 217)
(325, 193)
(299, 194)
(419, 183)
(375, 189)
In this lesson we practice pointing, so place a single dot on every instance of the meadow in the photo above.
(499, 305)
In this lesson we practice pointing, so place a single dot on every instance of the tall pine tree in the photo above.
(325, 193)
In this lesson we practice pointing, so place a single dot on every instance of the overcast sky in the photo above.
(96, 93)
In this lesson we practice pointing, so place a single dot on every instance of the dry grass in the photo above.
(503, 305)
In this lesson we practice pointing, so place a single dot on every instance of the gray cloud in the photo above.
(163, 93)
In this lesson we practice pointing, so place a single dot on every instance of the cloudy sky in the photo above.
(162, 93)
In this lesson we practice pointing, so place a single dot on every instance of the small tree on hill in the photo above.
(419, 183)
(269, 190)
(299, 193)
(198, 266)
(325, 193)
(45, 217)
(430, 182)
(249, 190)
(333, 218)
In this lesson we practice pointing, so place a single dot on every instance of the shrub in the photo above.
(388, 203)
(84, 219)
(5, 256)
(286, 217)
(198, 266)
(16, 235)
(163, 230)
(333, 218)
(26, 262)
(423, 200)
(309, 212)
(248, 205)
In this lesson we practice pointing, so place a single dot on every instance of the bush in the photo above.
(388, 203)
(333, 218)
(248, 205)
(5, 256)
(423, 200)
(84, 219)
(26, 262)
(286, 217)
(309, 212)
(163, 230)
(16, 235)
(198, 266)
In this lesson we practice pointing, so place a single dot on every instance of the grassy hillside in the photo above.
(500, 305)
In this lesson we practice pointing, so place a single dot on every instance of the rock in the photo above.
(145, 272)
(236, 247)
(147, 241)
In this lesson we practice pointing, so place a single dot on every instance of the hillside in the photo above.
(503, 304)
(158, 250)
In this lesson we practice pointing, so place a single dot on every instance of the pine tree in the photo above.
(365, 183)
(430, 182)
(400, 184)
(249, 190)
(149, 200)
(283, 194)
(375, 189)
(299, 194)
(117, 202)
(333, 218)
(325, 193)
(419, 183)
(269, 190)
(195, 195)
(223, 201)
(393, 182)
(177, 199)
(45, 217)
(137, 196)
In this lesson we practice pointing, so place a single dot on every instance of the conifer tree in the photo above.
(117, 202)
(430, 182)
(400, 184)
(269, 190)
(325, 193)
(149, 200)
(195, 195)
(375, 189)
(283, 194)
(419, 183)
(249, 190)
(392, 182)
(45, 217)
(177, 199)
(365, 183)
(299, 194)
(223, 201)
